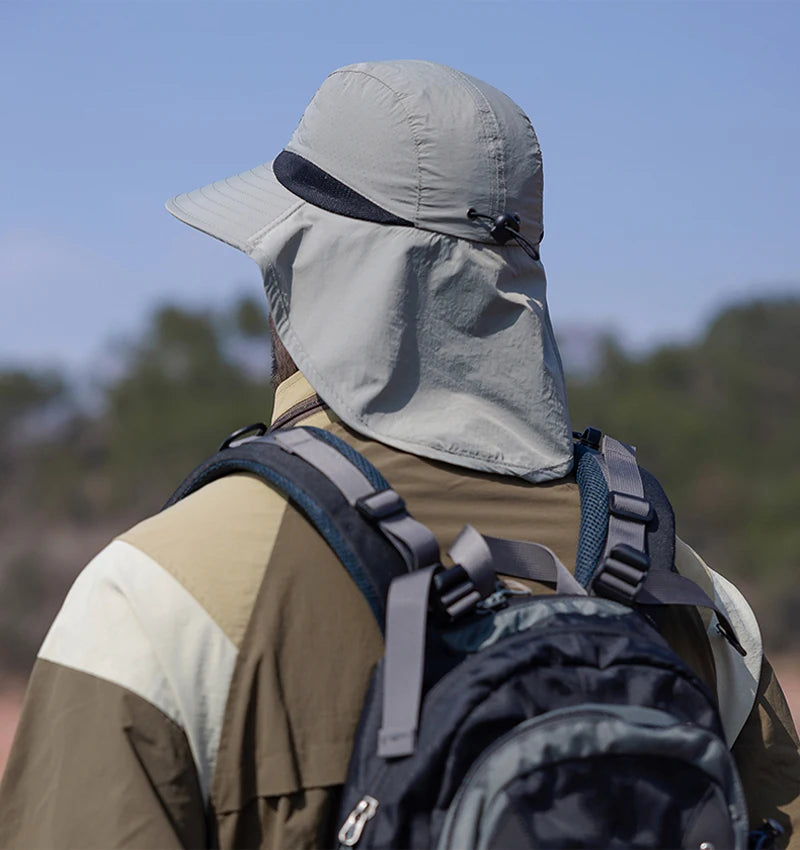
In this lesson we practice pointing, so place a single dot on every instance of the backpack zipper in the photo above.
(350, 833)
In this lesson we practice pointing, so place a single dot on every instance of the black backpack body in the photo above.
(497, 719)
(569, 723)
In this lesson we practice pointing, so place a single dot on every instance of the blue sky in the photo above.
(670, 134)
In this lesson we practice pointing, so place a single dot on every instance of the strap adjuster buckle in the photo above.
(622, 574)
(380, 505)
(590, 437)
(627, 506)
(249, 432)
(454, 593)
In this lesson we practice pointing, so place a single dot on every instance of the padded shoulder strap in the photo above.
(346, 499)
(637, 564)
(593, 475)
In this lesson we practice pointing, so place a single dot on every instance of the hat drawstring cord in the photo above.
(505, 227)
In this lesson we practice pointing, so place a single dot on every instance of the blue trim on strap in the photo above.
(356, 458)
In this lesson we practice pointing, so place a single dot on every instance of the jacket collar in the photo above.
(295, 400)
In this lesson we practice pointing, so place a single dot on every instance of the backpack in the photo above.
(501, 719)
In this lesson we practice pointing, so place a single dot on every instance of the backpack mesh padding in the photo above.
(594, 513)
(309, 182)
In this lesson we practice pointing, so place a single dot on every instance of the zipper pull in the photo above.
(350, 833)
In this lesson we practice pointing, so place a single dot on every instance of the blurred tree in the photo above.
(181, 392)
(24, 396)
(251, 319)
(73, 479)
(35, 409)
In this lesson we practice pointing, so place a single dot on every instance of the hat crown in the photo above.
(426, 143)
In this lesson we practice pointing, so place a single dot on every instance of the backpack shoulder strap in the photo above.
(629, 553)
(598, 524)
(345, 498)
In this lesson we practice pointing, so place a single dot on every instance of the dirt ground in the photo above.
(787, 669)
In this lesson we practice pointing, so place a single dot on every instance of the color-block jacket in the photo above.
(203, 680)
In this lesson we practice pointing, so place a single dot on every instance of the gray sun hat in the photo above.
(416, 324)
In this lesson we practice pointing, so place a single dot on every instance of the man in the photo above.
(202, 684)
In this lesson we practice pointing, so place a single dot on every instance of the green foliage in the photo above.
(25, 588)
(23, 394)
(182, 390)
(251, 319)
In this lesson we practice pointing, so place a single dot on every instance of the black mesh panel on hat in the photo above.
(319, 188)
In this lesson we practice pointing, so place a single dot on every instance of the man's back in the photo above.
(223, 704)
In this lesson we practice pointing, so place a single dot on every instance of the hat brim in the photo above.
(236, 209)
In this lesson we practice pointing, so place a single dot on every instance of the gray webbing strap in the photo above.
(328, 460)
(404, 662)
(629, 513)
(471, 551)
(668, 588)
(624, 562)
(407, 613)
(482, 557)
(412, 539)
(406, 621)
(415, 543)
(532, 561)
(628, 509)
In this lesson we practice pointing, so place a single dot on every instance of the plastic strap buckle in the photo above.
(622, 574)
(249, 432)
(380, 505)
(454, 593)
(627, 506)
(766, 836)
(591, 437)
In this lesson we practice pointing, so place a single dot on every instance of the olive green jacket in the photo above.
(202, 683)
